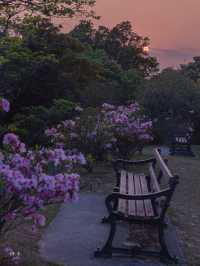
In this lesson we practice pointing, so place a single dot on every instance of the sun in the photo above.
(146, 49)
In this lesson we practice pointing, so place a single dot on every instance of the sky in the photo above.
(172, 25)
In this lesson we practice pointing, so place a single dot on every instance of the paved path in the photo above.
(76, 232)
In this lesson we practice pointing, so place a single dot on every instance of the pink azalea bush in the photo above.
(33, 179)
(88, 133)
(109, 130)
(130, 129)
(30, 180)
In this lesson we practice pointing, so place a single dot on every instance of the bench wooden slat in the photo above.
(181, 140)
(147, 203)
(131, 191)
(122, 206)
(137, 184)
(139, 203)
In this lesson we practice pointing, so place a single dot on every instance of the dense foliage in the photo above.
(31, 179)
(192, 70)
(109, 130)
(12, 12)
(42, 68)
(32, 121)
(120, 43)
(43, 64)
(171, 100)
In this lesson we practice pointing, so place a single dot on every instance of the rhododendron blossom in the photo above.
(32, 179)
(130, 129)
(112, 129)
(4, 105)
(37, 178)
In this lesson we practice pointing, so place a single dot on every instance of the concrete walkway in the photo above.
(76, 233)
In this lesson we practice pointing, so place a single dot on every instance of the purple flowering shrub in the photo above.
(88, 132)
(114, 130)
(130, 129)
(10, 257)
(30, 180)
(33, 179)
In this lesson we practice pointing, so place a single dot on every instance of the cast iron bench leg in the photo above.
(106, 220)
(164, 254)
(106, 251)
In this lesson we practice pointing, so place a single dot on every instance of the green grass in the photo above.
(24, 240)
(186, 204)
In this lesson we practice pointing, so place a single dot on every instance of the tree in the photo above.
(120, 43)
(84, 32)
(192, 70)
(12, 12)
(32, 121)
(42, 65)
(167, 98)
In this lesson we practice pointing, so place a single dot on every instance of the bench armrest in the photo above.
(112, 199)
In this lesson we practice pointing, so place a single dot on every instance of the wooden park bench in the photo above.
(140, 199)
(181, 143)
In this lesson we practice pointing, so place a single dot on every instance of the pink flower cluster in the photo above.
(4, 105)
(63, 133)
(12, 141)
(104, 131)
(34, 179)
(126, 121)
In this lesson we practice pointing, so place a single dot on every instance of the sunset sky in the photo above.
(172, 25)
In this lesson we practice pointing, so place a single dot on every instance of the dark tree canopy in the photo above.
(192, 70)
(43, 64)
(121, 43)
(12, 12)
(170, 97)
(170, 94)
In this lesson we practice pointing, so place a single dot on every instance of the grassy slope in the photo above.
(186, 207)
(24, 240)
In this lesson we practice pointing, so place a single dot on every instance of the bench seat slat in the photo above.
(122, 206)
(132, 185)
(147, 203)
(181, 140)
(131, 191)
(139, 203)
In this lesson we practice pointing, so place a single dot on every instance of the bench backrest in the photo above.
(162, 164)
(157, 170)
